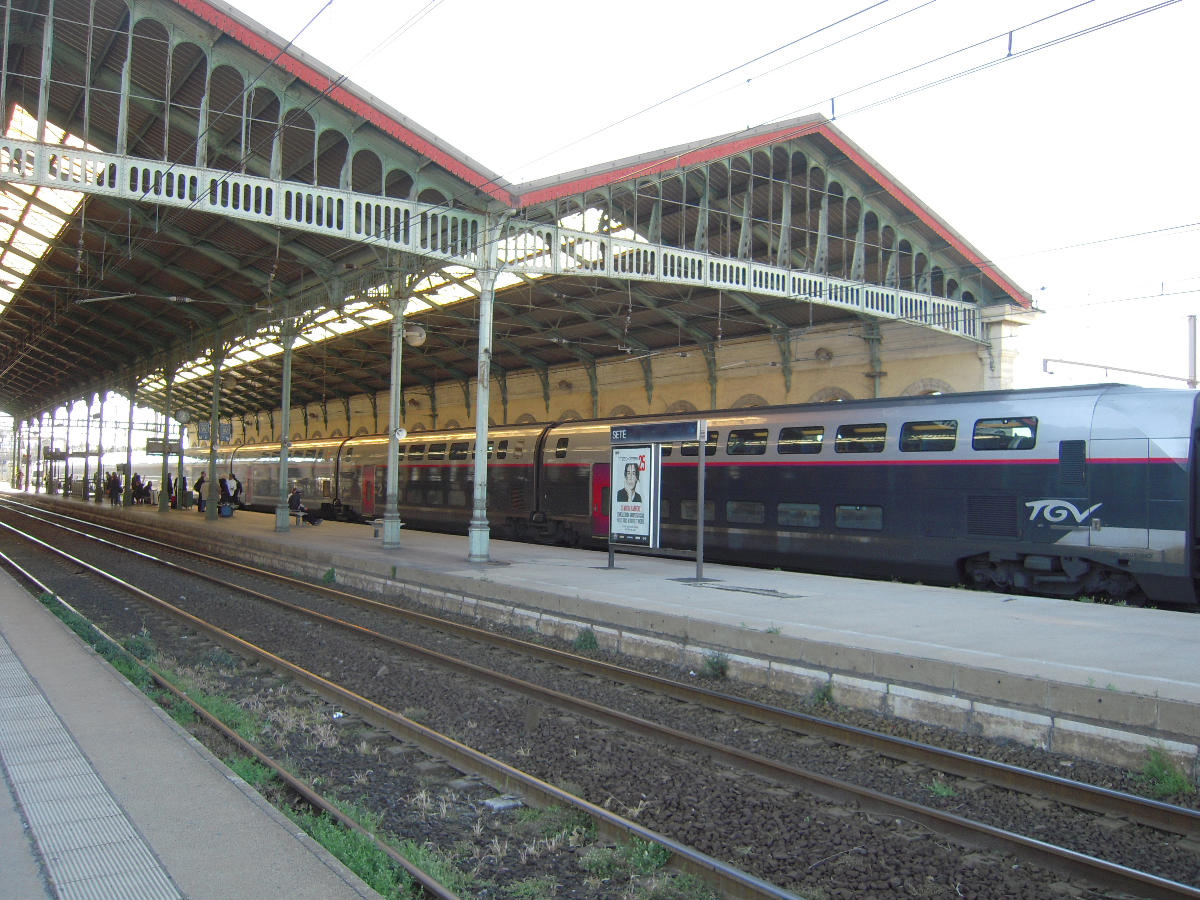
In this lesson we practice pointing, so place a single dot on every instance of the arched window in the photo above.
(747, 401)
(830, 395)
(927, 386)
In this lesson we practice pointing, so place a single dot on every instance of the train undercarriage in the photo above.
(1052, 576)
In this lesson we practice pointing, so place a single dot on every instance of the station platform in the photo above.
(108, 798)
(1099, 682)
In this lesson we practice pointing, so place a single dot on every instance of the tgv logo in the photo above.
(1058, 510)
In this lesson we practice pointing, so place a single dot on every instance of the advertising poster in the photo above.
(634, 495)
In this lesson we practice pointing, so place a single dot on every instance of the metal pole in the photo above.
(100, 485)
(67, 448)
(86, 488)
(49, 464)
(164, 496)
(287, 337)
(1191, 352)
(391, 512)
(479, 532)
(701, 448)
(40, 480)
(214, 423)
(127, 496)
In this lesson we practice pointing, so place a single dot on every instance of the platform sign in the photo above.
(634, 497)
(158, 446)
(654, 432)
(224, 432)
(635, 506)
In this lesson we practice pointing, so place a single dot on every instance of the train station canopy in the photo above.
(176, 179)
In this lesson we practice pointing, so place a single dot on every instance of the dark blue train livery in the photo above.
(1072, 491)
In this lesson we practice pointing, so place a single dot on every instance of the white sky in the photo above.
(1073, 167)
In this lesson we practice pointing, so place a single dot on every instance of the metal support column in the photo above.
(85, 489)
(127, 495)
(100, 485)
(66, 478)
(479, 532)
(287, 337)
(50, 488)
(391, 512)
(214, 424)
(164, 495)
(40, 477)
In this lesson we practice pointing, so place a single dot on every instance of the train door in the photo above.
(1117, 514)
(368, 490)
(601, 481)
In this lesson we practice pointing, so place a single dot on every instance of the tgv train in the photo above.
(1068, 491)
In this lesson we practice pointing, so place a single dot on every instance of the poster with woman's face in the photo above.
(632, 495)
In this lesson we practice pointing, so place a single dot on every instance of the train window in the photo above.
(801, 439)
(459, 450)
(745, 512)
(687, 510)
(868, 518)
(666, 449)
(502, 450)
(865, 438)
(416, 453)
(1005, 434)
(798, 515)
(518, 449)
(746, 442)
(926, 437)
(688, 448)
(437, 451)
(560, 449)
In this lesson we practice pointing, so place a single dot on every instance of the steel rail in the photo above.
(430, 885)
(1152, 813)
(727, 879)
(1058, 858)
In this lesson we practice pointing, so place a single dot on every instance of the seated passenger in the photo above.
(296, 506)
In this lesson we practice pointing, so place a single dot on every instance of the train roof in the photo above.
(1093, 391)
(966, 397)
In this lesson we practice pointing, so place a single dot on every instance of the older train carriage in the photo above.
(1065, 491)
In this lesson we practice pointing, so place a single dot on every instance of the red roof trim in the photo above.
(314, 79)
(912, 206)
(728, 148)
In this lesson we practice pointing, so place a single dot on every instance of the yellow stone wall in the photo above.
(827, 363)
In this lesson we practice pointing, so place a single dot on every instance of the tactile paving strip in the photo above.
(88, 846)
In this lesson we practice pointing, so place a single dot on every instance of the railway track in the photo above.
(806, 736)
